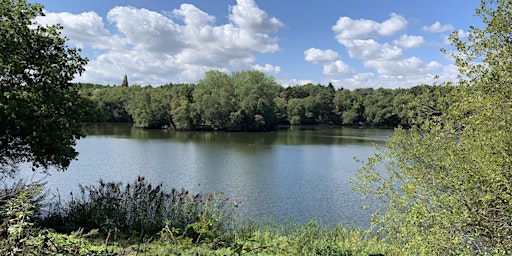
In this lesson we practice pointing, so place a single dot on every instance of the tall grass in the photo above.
(138, 209)
(146, 219)
(311, 238)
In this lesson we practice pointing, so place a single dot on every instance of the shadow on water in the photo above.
(290, 135)
(298, 173)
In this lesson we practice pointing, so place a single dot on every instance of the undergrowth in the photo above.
(141, 219)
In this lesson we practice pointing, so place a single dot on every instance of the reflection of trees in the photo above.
(294, 135)
(314, 135)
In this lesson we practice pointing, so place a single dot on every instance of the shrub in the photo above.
(19, 235)
(140, 210)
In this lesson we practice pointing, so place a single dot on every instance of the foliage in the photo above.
(243, 101)
(41, 111)
(215, 100)
(110, 102)
(445, 183)
(251, 101)
(206, 232)
(289, 239)
(310, 104)
(125, 81)
(149, 108)
(140, 210)
(20, 236)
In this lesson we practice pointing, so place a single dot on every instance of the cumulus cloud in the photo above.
(356, 80)
(347, 28)
(147, 30)
(438, 28)
(248, 16)
(294, 82)
(337, 68)
(407, 41)
(315, 55)
(330, 61)
(405, 67)
(267, 68)
(85, 29)
(369, 49)
(361, 39)
(392, 25)
(155, 48)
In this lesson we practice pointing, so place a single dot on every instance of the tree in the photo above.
(446, 186)
(125, 81)
(215, 100)
(41, 112)
(244, 101)
(378, 108)
(256, 93)
(149, 107)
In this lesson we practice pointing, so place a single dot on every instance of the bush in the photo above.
(140, 210)
(19, 235)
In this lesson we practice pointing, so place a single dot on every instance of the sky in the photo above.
(351, 44)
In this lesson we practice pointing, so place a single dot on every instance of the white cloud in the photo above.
(315, 55)
(370, 49)
(407, 41)
(407, 67)
(392, 68)
(294, 82)
(248, 16)
(392, 25)
(155, 48)
(438, 28)
(147, 30)
(193, 17)
(356, 81)
(364, 80)
(347, 28)
(267, 68)
(329, 60)
(143, 68)
(85, 29)
(337, 68)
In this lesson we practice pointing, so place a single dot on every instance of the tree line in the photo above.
(443, 183)
(252, 101)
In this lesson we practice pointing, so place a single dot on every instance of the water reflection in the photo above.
(303, 135)
(298, 173)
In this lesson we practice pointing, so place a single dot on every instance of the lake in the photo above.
(294, 174)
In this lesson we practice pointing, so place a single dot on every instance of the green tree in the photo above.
(446, 186)
(183, 112)
(349, 105)
(256, 93)
(296, 111)
(41, 112)
(125, 81)
(150, 107)
(215, 100)
(310, 104)
(244, 101)
(379, 108)
(110, 101)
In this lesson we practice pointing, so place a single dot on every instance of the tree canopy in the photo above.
(41, 112)
(251, 101)
(445, 184)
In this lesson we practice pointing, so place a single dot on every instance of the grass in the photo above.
(141, 219)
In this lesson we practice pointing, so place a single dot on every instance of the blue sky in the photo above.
(352, 44)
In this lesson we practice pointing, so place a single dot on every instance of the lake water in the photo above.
(294, 174)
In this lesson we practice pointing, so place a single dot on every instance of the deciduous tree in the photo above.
(41, 113)
(446, 186)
